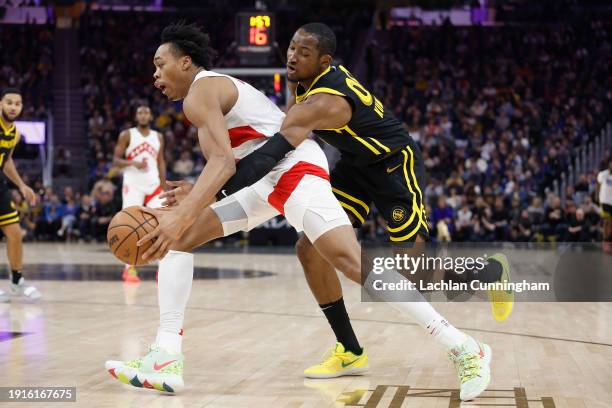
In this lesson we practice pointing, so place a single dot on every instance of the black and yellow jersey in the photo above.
(8, 140)
(372, 134)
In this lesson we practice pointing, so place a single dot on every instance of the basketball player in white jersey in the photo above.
(140, 153)
(234, 121)
(604, 192)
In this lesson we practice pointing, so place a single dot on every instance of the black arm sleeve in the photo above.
(254, 166)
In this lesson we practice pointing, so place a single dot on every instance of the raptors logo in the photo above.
(143, 147)
(398, 214)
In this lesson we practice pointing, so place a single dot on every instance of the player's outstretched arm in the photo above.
(320, 111)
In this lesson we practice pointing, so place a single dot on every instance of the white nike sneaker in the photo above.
(4, 297)
(23, 290)
(472, 361)
(159, 370)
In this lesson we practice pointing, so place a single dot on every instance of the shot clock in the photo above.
(255, 36)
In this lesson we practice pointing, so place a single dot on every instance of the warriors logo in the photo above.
(398, 214)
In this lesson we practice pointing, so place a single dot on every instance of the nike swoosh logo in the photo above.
(224, 193)
(392, 169)
(348, 364)
(157, 367)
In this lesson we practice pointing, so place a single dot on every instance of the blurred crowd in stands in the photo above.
(26, 52)
(498, 113)
(117, 74)
(67, 214)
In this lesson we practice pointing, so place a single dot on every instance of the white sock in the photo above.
(417, 308)
(174, 279)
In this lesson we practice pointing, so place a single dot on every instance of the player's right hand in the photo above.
(177, 194)
(29, 194)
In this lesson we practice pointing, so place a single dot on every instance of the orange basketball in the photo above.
(124, 231)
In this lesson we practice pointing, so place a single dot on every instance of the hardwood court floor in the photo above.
(248, 340)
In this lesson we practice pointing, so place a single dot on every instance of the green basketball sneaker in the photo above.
(472, 361)
(159, 370)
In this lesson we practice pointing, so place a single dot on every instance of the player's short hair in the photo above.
(325, 37)
(7, 91)
(189, 39)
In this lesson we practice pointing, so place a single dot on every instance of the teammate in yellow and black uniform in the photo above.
(11, 105)
(380, 162)
(8, 140)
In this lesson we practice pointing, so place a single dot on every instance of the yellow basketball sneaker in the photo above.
(159, 370)
(502, 301)
(338, 362)
(472, 361)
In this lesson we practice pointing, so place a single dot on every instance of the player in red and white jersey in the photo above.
(252, 118)
(290, 187)
(140, 154)
(233, 120)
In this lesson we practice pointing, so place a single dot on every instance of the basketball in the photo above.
(124, 231)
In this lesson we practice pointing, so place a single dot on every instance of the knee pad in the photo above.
(231, 214)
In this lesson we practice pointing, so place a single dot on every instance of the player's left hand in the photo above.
(172, 224)
(28, 194)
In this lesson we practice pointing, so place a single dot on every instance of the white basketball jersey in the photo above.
(252, 119)
(604, 178)
(142, 148)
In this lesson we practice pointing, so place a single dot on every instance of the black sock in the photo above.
(341, 325)
(16, 275)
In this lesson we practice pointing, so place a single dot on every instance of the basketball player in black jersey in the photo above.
(11, 105)
(380, 164)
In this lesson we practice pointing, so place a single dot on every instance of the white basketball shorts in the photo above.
(133, 194)
(298, 187)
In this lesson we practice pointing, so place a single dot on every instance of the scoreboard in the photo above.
(255, 35)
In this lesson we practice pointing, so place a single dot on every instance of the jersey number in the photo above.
(356, 87)
(363, 94)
